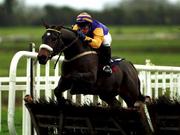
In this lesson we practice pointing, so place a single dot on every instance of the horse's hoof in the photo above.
(116, 105)
(148, 100)
(63, 102)
(138, 104)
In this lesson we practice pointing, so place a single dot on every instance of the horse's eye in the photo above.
(48, 34)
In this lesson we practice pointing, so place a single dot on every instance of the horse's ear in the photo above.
(45, 24)
(59, 26)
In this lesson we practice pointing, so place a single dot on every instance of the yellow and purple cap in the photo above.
(84, 17)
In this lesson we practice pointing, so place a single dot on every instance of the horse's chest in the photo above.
(70, 67)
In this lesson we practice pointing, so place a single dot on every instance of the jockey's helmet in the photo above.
(84, 18)
(84, 21)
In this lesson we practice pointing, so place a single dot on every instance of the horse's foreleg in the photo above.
(114, 103)
(63, 85)
(111, 101)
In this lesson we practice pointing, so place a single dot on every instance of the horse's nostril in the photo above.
(42, 59)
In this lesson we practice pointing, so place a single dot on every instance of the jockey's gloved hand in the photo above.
(81, 35)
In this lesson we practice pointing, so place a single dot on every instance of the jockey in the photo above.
(98, 37)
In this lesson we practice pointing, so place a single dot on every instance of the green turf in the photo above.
(144, 29)
(26, 31)
(18, 121)
(163, 59)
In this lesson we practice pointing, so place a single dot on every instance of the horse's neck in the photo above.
(76, 49)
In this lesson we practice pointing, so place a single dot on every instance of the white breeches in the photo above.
(107, 40)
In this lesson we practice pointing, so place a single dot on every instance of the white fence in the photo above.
(155, 81)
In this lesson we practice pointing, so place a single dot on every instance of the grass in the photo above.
(166, 59)
(144, 29)
(26, 31)
(18, 113)
(18, 120)
(146, 44)
(6, 60)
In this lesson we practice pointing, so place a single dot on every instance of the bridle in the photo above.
(51, 50)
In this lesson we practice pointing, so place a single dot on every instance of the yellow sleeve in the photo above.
(75, 27)
(97, 39)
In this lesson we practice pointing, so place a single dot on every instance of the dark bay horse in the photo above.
(80, 72)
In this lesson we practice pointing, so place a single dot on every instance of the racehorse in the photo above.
(81, 70)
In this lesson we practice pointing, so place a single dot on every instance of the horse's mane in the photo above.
(59, 27)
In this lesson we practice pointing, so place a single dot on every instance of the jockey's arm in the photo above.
(75, 27)
(97, 39)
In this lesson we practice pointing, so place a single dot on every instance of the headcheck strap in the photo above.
(54, 30)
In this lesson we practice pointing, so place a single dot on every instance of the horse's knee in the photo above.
(57, 92)
(147, 99)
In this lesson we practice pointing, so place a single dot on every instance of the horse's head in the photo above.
(54, 41)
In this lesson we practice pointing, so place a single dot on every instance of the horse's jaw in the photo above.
(42, 62)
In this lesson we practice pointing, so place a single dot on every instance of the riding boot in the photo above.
(106, 58)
